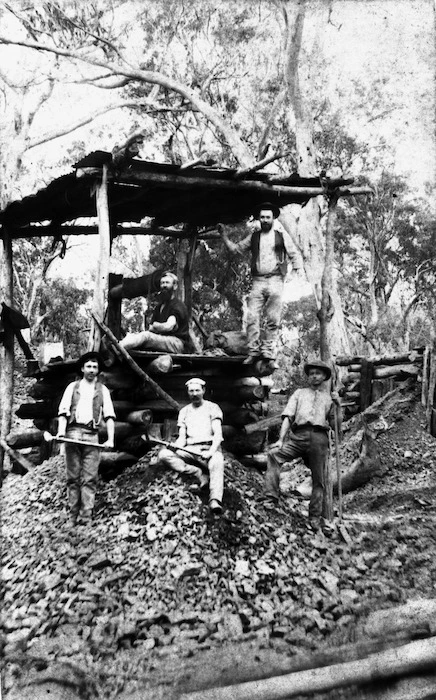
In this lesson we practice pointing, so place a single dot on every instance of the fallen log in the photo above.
(411, 658)
(415, 616)
(17, 458)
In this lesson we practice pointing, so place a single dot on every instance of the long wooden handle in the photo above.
(338, 461)
(171, 446)
(48, 437)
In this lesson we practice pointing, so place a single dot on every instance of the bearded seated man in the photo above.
(168, 330)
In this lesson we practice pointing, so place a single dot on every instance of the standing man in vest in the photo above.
(270, 246)
(84, 404)
(200, 430)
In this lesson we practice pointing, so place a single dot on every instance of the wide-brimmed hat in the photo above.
(318, 364)
(266, 205)
(91, 355)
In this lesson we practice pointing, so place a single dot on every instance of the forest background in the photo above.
(340, 87)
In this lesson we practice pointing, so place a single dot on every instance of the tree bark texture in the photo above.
(7, 348)
(102, 274)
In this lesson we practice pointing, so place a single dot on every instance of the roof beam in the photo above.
(83, 230)
(185, 181)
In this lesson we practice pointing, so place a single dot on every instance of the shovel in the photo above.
(48, 437)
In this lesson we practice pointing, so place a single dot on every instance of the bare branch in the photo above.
(261, 164)
(239, 149)
(50, 136)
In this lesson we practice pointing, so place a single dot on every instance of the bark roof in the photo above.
(199, 195)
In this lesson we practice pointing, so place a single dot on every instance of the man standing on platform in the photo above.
(169, 330)
(270, 245)
(200, 430)
(83, 406)
(307, 419)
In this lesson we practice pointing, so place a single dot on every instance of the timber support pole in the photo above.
(102, 275)
(7, 352)
(135, 367)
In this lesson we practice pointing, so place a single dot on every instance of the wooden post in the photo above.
(7, 351)
(326, 310)
(135, 367)
(187, 277)
(114, 307)
(366, 375)
(182, 259)
(102, 276)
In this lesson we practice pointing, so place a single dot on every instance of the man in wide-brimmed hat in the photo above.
(84, 405)
(307, 419)
(200, 430)
(270, 246)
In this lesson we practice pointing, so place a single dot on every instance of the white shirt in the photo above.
(197, 420)
(84, 405)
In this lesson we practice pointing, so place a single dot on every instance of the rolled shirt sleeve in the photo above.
(65, 403)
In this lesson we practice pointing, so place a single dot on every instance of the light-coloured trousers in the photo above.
(180, 463)
(147, 340)
(82, 471)
(266, 296)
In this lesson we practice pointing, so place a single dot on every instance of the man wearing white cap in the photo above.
(169, 330)
(200, 430)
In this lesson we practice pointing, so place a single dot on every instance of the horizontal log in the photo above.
(141, 417)
(351, 395)
(110, 459)
(350, 377)
(25, 438)
(396, 371)
(256, 461)
(412, 356)
(264, 423)
(242, 444)
(122, 429)
(161, 365)
(38, 409)
(414, 657)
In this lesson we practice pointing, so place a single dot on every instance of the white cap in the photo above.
(195, 380)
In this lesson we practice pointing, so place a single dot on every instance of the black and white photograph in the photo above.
(218, 349)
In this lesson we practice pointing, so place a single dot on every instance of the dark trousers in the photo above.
(312, 446)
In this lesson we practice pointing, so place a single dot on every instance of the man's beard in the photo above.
(165, 295)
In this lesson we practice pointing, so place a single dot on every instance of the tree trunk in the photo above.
(309, 237)
(7, 349)
(411, 658)
(102, 274)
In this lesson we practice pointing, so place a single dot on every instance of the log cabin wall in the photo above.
(241, 395)
(366, 380)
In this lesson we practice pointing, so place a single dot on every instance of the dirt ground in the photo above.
(158, 597)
